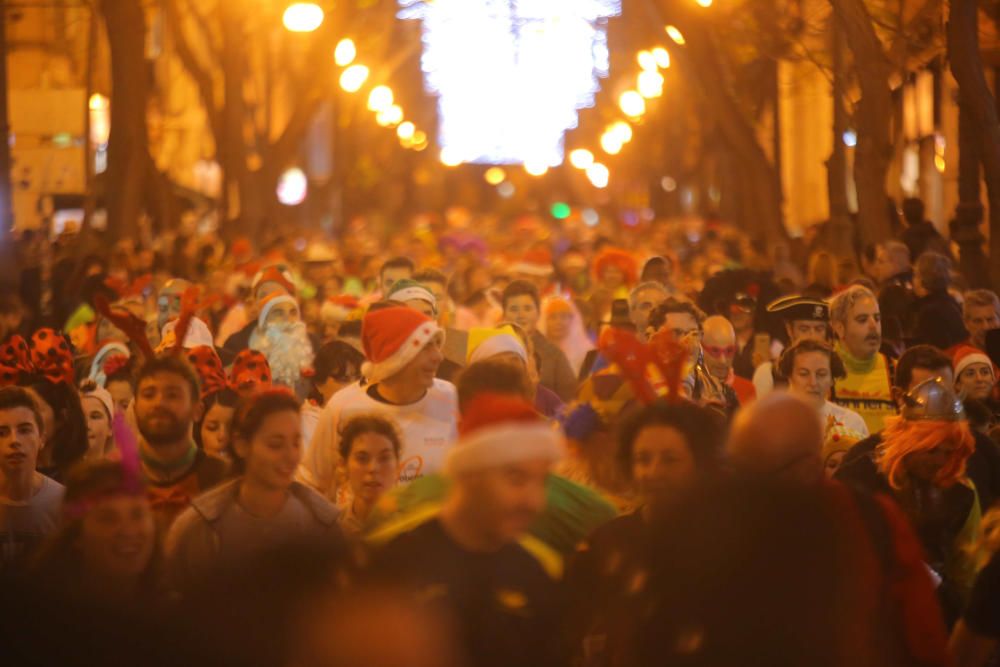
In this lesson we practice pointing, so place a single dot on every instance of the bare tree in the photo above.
(979, 112)
(872, 117)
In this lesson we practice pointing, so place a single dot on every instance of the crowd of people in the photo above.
(483, 441)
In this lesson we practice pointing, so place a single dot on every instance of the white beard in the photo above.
(288, 351)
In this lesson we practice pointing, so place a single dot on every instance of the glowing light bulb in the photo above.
(390, 117)
(599, 175)
(302, 17)
(353, 78)
(675, 34)
(622, 130)
(406, 130)
(292, 187)
(647, 60)
(380, 99)
(98, 102)
(495, 175)
(662, 57)
(610, 144)
(581, 158)
(704, 3)
(632, 104)
(650, 84)
(535, 168)
(345, 53)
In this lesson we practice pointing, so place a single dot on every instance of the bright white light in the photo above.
(380, 99)
(662, 57)
(450, 158)
(391, 117)
(590, 217)
(646, 60)
(610, 143)
(353, 78)
(345, 53)
(536, 168)
(292, 187)
(632, 104)
(704, 3)
(581, 158)
(850, 138)
(406, 130)
(650, 84)
(598, 175)
(622, 130)
(303, 17)
(510, 76)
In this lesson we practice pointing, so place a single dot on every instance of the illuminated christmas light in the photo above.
(599, 175)
(391, 117)
(662, 57)
(610, 143)
(495, 175)
(511, 76)
(353, 78)
(406, 130)
(303, 17)
(581, 158)
(345, 53)
(647, 60)
(621, 130)
(675, 34)
(380, 99)
(632, 104)
(292, 187)
(650, 84)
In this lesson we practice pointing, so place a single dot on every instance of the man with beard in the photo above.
(176, 470)
(403, 352)
(282, 337)
(467, 561)
(867, 389)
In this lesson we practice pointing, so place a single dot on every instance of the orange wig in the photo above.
(903, 438)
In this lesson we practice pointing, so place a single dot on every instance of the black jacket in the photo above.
(938, 321)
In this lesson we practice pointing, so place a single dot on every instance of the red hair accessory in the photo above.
(48, 354)
(250, 372)
(208, 365)
(52, 356)
(15, 361)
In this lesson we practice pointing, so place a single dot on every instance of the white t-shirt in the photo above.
(849, 418)
(428, 428)
(23, 526)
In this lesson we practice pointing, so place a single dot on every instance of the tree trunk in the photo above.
(874, 148)
(128, 145)
(978, 101)
(840, 234)
(699, 59)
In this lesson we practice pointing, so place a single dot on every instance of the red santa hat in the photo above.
(392, 338)
(967, 355)
(498, 430)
